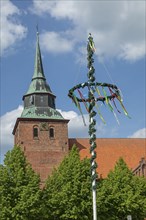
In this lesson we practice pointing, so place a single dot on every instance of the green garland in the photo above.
(92, 114)
(94, 88)
(94, 85)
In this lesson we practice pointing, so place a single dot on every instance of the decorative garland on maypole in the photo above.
(92, 121)
(97, 92)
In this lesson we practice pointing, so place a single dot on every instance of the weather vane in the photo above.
(97, 92)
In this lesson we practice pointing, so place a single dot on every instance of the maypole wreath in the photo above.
(97, 92)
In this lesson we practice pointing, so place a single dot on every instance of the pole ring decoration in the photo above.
(114, 94)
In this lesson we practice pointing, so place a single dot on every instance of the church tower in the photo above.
(41, 131)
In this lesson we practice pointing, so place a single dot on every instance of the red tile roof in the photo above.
(110, 150)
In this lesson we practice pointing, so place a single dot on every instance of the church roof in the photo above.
(109, 150)
(38, 83)
(42, 113)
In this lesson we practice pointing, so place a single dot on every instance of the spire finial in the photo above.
(37, 29)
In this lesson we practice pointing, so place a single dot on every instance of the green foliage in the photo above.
(67, 194)
(19, 188)
(122, 194)
(68, 191)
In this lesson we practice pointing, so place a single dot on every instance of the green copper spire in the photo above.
(39, 101)
(38, 68)
(38, 83)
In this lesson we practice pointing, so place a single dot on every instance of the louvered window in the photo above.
(35, 132)
(51, 131)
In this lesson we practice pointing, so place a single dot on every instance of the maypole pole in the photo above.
(92, 121)
(97, 92)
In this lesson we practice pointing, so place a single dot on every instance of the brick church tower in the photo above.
(41, 131)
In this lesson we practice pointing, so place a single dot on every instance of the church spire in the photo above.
(38, 67)
(38, 83)
(39, 101)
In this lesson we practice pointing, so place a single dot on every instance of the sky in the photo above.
(119, 33)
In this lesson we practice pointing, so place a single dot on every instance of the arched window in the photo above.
(51, 132)
(35, 132)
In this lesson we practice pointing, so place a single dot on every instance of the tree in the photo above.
(122, 194)
(19, 188)
(68, 190)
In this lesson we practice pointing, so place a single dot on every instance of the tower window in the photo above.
(35, 132)
(41, 99)
(51, 132)
(31, 100)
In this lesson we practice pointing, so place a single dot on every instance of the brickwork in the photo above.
(42, 152)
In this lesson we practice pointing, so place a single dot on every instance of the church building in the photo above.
(42, 133)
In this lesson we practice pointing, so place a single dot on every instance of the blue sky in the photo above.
(118, 29)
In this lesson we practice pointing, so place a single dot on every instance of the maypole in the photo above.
(92, 121)
(97, 92)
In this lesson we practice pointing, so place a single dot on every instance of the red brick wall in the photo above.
(43, 153)
(24, 136)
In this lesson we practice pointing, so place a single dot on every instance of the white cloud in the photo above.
(56, 42)
(118, 27)
(11, 30)
(55, 8)
(139, 134)
(7, 122)
(76, 126)
(68, 115)
(132, 52)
